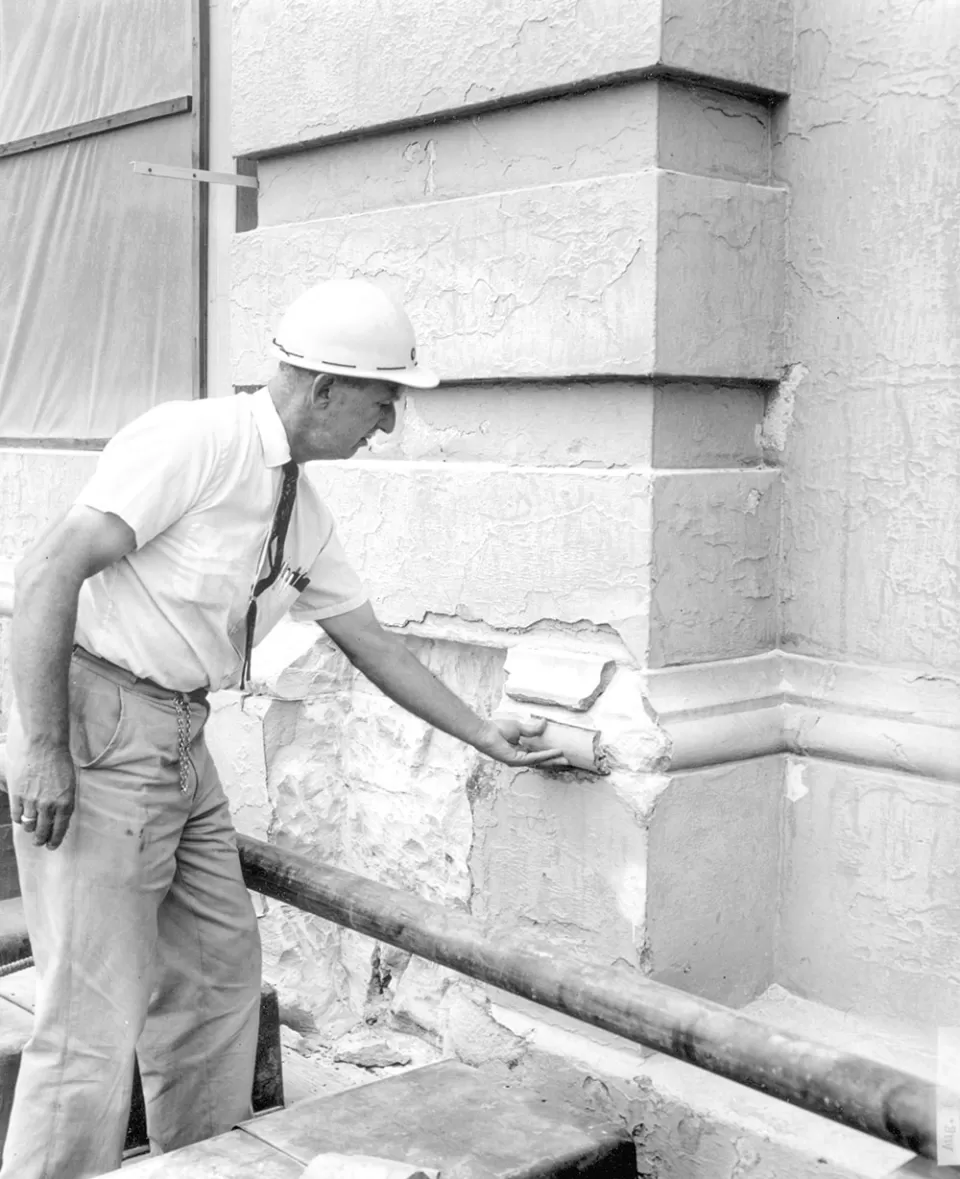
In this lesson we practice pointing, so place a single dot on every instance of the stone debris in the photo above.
(376, 1054)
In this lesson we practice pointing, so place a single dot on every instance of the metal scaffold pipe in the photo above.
(875, 1098)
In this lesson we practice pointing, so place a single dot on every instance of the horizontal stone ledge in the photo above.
(779, 702)
(625, 128)
(519, 101)
(614, 276)
(328, 76)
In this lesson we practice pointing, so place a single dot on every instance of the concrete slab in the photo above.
(451, 1117)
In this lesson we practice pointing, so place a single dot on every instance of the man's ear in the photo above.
(320, 388)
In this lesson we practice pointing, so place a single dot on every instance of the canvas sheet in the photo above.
(69, 61)
(97, 306)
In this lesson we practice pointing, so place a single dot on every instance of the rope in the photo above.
(13, 967)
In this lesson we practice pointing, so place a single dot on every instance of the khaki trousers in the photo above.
(145, 942)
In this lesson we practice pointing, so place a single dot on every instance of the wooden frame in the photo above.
(200, 13)
(140, 114)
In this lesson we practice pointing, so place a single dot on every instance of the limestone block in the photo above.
(712, 879)
(573, 138)
(713, 588)
(614, 276)
(871, 893)
(574, 424)
(541, 282)
(644, 124)
(506, 545)
(566, 854)
(720, 275)
(300, 74)
(674, 875)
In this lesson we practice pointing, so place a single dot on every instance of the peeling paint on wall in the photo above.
(774, 432)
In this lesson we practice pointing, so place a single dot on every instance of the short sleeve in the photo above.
(334, 586)
(156, 469)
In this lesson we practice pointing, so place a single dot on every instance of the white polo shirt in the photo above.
(198, 482)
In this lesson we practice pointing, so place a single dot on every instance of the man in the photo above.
(195, 536)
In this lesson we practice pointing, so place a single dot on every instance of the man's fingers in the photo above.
(16, 807)
(532, 728)
(28, 816)
(553, 756)
(44, 825)
(61, 822)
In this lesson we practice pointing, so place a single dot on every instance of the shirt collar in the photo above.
(276, 447)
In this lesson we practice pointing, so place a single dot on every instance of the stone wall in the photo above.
(688, 481)
(868, 432)
(575, 203)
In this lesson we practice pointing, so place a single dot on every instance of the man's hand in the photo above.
(501, 739)
(48, 786)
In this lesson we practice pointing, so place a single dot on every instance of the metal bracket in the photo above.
(196, 174)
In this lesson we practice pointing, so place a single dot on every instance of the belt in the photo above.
(180, 700)
(138, 683)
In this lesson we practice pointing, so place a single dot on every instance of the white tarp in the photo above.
(70, 61)
(96, 283)
(98, 316)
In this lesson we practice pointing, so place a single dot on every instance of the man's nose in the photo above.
(388, 419)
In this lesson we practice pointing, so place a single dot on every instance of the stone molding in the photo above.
(890, 718)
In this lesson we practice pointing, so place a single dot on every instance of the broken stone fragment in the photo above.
(376, 1054)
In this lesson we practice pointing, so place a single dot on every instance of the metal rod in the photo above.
(852, 1090)
(199, 174)
(140, 114)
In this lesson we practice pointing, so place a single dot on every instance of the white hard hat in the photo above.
(352, 327)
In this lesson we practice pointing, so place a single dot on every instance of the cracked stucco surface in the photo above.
(713, 576)
(871, 893)
(361, 65)
(872, 490)
(507, 545)
(615, 275)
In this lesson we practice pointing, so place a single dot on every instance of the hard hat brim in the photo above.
(415, 378)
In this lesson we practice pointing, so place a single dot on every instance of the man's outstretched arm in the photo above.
(386, 662)
(47, 586)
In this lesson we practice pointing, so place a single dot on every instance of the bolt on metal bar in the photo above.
(874, 1098)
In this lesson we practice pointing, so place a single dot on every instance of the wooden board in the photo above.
(453, 1118)
(14, 942)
